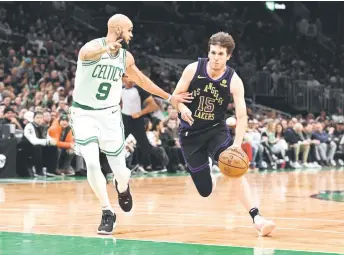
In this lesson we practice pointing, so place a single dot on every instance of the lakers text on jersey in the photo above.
(211, 97)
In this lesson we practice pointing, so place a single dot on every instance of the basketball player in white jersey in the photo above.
(96, 115)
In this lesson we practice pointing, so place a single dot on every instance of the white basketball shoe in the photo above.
(263, 226)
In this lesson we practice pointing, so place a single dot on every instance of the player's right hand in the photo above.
(181, 98)
(112, 48)
(186, 115)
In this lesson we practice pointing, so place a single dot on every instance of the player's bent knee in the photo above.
(90, 153)
(205, 191)
(203, 182)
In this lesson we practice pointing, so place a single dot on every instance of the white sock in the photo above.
(257, 219)
(120, 172)
(95, 177)
(107, 207)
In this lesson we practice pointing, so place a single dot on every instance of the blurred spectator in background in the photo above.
(254, 136)
(35, 151)
(136, 104)
(298, 144)
(274, 140)
(338, 136)
(9, 117)
(326, 148)
(170, 145)
(62, 134)
(158, 155)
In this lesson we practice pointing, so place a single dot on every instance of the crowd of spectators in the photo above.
(38, 63)
(271, 140)
(298, 142)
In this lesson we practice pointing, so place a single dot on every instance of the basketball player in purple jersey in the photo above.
(203, 130)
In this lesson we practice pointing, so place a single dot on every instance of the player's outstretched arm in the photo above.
(93, 50)
(182, 87)
(238, 92)
(144, 82)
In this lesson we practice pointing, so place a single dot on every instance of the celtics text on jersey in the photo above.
(98, 83)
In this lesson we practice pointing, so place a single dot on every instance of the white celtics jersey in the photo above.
(98, 83)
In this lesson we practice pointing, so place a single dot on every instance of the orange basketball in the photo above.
(233, 162)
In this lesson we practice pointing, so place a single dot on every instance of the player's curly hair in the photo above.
(224, 40)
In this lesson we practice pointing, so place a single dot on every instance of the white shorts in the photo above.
(102, 126)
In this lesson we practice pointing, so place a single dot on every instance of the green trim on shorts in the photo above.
(81, 141)
(87, 141)
(117, 152)
(85, 107)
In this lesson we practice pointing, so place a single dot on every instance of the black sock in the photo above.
(254, 212)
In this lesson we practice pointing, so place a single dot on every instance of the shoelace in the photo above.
(106, 218)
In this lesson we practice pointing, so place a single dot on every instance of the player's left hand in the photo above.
(186, 115)
(185, 97)
(112, 48)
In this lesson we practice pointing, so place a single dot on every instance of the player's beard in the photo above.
(125, 45)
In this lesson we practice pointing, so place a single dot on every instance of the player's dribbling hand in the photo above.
(235, 146)
(112, 48)
(186, 115)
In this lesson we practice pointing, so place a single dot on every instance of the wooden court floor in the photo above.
(60, 216)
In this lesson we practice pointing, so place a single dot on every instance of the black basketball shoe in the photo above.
(124, 199)
(108, 223)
